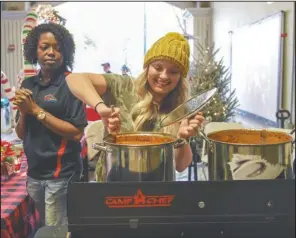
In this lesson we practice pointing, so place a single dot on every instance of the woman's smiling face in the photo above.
(163, 76)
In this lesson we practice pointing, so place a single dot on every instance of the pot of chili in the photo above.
(249, 154)
(139, 156)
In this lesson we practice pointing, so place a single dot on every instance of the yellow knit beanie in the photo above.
(174, 47)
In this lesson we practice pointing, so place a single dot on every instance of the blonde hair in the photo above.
(146, 110)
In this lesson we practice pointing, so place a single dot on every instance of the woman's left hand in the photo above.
(27, 104)
(190, 127)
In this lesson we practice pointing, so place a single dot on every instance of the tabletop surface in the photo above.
(19, 217)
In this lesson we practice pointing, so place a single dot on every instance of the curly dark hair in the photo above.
(62, 36)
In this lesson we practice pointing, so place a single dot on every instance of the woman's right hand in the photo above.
(110, 117)
(22, 95)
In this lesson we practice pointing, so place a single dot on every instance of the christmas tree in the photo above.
(205, 74)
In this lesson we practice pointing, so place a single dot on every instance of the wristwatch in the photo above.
(41, 115)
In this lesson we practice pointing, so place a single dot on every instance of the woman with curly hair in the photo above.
(50, 121)
(140, 104)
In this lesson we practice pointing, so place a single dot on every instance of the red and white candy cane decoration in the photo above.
(20, 78)
(30, 22)
(8, 92)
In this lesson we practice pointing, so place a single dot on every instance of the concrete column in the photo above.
(202, 25)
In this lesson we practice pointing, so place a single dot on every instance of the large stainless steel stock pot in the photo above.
(245, 154)
(141, 156)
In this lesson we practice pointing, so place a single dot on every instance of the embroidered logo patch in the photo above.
(50, 98)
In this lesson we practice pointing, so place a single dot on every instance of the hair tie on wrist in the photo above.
(97, 105)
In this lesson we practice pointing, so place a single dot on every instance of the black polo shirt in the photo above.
(50, 155)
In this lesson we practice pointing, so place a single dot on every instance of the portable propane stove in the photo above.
(226, 209)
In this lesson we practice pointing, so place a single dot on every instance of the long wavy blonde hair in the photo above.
(146, 110)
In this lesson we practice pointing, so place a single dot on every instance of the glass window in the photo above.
(117, 32)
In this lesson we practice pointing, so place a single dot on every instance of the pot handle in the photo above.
(101, 146)
(204, 136)
(210, 143)
(179, 143)
(202, 129)
(293, 132)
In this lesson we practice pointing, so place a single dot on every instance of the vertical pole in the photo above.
(230, 55)
(292, 118)
(145, 29)
(185, 27)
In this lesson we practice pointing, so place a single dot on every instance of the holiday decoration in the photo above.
(206, 73)
(29, 23)
(46, 13)
(20, 78)
(11, 47)
(8, 92)
(10, 159)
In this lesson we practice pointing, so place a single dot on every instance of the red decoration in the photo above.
(11, 47)
(284, 35)
(10, 159)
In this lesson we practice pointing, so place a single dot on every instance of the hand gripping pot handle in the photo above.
(101, 146)
(203, 134)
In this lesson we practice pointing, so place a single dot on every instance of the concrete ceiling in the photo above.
(183, 5)
(55, 3)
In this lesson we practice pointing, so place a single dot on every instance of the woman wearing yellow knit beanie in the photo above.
(141, 103)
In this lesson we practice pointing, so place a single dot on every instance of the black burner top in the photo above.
(226, 209)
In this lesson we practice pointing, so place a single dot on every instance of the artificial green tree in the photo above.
(207, 73)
